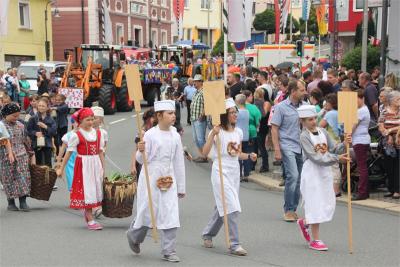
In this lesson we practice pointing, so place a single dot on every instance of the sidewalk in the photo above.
(376, 201)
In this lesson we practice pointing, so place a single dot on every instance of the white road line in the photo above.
(114, 122)
(134, 116)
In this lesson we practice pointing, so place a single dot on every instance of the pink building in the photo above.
(143, 23)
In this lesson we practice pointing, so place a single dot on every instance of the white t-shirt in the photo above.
(90, 136)
(360, 134)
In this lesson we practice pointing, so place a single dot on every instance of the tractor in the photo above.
(98, 71)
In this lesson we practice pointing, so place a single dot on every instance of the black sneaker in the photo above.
(264, 169)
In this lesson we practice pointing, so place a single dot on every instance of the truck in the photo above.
(264, 55)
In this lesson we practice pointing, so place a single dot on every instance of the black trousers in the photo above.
(43, 156)
(60, 133)
(188, 103)
(392, 165)
(262, 149)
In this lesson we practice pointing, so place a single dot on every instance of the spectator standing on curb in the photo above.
(23, 92)
(254, 123)
(189, 92)
(264, 107)
(198, 118)
(42, 83)
(243, 124)
(361, 143)
(371, 95)
(286, 140)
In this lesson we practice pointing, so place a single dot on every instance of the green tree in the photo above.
(265, 21)
(371, 31)
(219, 47)
(352, 59)
(312, 25)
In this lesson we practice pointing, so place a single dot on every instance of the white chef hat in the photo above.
(98, 111)
(164, 105)
(230, 103)
(307, 111)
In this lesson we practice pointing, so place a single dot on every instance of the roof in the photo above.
(44, 63)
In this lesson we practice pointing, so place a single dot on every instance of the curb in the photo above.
(273, 185)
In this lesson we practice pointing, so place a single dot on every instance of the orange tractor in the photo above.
(98, 71)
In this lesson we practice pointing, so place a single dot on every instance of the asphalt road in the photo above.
(53, 235)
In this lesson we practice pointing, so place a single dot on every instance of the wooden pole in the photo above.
(221, 177)
(146, 172)
(349, 211)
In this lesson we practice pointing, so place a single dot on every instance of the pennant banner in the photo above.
(320, 11)
(178, 8)
(240, 19)
(306, 10)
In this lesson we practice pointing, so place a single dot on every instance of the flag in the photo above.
(4, 17)
(306, 9)
(240, 20)
(178, 8)
(285, 6)
(320, 11)
(108, 34)
(277, 20)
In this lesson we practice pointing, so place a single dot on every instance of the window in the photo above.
(163, 3)
(189, 34)
(154, 38)
(164, 37)
(138, 36)
(253, 10)
(119, 33)
(24, 16)
(206, 4)
(136, 8)
(270, 6)
(203, 36)
(186, 3)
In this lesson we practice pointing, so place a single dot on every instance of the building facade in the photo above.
(201, 17)
(143, 23)
(25, 35)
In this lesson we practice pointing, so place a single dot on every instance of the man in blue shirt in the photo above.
(286, 139)
(189, 92)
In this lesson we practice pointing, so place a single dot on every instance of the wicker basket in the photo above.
(118, 198)
(43, 179)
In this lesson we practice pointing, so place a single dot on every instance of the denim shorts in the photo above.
(199, 132)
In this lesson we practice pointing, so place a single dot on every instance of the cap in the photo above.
(230, 103)
(198, 77)
(98, 111)
(307, 111)
(164, 105)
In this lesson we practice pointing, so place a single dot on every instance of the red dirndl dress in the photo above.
(87, 186)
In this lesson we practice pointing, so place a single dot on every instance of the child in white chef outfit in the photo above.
(230, 139)
(165, 160)
(316, 186)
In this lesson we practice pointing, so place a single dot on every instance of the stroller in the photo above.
(376, 168)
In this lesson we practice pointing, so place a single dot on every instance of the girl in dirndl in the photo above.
(87, 185)
(316, 186)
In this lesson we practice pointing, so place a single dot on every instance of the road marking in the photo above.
(134, 116)
(114, 122)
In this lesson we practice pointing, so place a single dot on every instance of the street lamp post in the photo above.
(47, 42)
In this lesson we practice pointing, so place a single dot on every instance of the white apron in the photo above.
(316, 188)
(230, 172)
(165, 203)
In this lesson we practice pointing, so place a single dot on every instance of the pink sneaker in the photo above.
(304, 230)
(318, 245)
(95, 226)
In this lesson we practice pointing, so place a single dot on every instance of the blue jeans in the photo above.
(293, 163)
(199, 132)
(245, 165)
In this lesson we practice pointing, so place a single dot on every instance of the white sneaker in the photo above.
(171, 258)
(239, 251)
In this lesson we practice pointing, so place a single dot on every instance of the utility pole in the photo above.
(291, 23)
(364, 38)
(385, 7)
(208, 24)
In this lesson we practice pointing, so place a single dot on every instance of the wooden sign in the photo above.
(347, 114)
(73, 96)
(214, 100)
(347, 110)
(134, 84)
